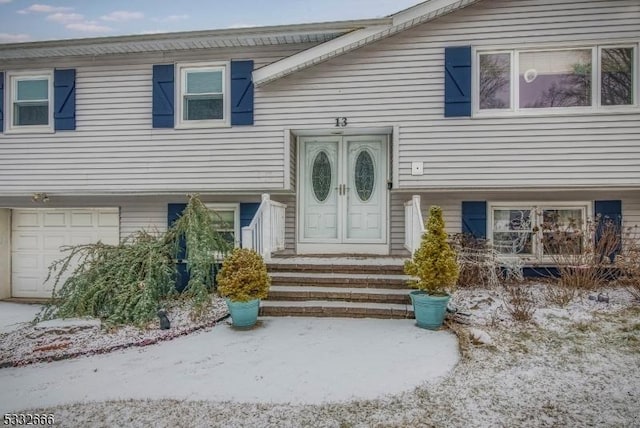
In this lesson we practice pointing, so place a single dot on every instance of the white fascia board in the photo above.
(403, 20)
(292, 63)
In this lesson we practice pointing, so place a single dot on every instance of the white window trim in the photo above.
(10, 92)
(515, 110)
(181, 71)
(235, 207)
(537, 207)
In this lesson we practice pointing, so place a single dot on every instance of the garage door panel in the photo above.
(83, 239)
(30, 286)
(55, 219)
(53, 241)
(26, 219)
(107, 219)
(109, 236)
(28, 264)
(38, 235)
(82, 219)
(27, 242)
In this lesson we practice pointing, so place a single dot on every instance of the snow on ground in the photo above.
(574, 366)
(61, 339)
(15, 315)
(298, 360)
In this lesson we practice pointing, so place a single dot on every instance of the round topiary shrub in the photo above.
(243, 276)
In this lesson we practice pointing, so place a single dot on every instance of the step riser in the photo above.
(344, 297)
(394, 284)
(335, 312)
(349, 290)
(319, 268)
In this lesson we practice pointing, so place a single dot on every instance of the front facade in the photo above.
(495, 110)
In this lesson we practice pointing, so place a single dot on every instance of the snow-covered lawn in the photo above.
(573, 366)
(24, 343)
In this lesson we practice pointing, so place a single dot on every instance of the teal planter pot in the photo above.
(244, 314)
(429, 310)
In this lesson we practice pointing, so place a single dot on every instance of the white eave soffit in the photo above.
(401, 21)
(207, 39)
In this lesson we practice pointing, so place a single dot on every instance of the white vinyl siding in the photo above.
(451, 204)
(400, 81)
(396, 81)
(115, 150)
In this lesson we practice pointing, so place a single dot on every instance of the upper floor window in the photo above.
(30, 101)
(534, 80)
(203, 96)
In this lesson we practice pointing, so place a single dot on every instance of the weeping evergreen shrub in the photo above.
(205, 247)
(125, 283)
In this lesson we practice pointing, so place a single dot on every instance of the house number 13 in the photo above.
(341, 122)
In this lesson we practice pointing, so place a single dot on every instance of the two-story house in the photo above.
(505, 113)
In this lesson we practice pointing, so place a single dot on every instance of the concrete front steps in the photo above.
(356, 287)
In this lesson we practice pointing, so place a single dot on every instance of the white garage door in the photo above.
(38, 234)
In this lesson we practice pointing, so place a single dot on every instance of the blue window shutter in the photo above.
(241, 93)
(247, 212)
(163, 96)
(457, 81)
(64, 99)
(609, 211)
(474, 218)
(1, 102)
(174, 212)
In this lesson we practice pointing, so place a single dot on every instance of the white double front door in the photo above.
(342, 188)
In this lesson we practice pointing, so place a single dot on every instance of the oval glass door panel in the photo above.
(365, 176)
(321, 176)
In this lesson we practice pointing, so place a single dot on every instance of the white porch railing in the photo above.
(265, 233)
(413, 224)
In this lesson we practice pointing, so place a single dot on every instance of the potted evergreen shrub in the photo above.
(243, 281)
(435, 270)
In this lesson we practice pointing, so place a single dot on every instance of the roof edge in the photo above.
(243, 31)
(401, 21)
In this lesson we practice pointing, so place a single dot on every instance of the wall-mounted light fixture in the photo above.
(40, 197)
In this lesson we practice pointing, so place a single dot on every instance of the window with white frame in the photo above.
(586, 78)
(226, 220)
(538, 231)
(203, 97)
(30, 101)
